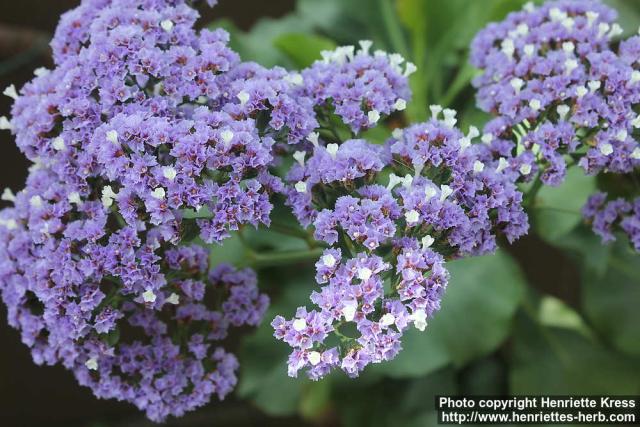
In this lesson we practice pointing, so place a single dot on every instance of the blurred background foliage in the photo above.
(556, 313)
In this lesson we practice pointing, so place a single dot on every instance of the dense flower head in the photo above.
(357, 85)
(384, 270)
(558, 88)
(132, 315)
(607, 217)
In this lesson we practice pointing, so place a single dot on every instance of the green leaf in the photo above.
(555, 313)
(611, 301)
(562, 362)
(557, 209)
(476, 316)
(303, 49)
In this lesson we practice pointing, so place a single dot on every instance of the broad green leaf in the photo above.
(475, 317)
(557, 210)
(562, 362)
(553, 312)
(303, 49)
(612, 301)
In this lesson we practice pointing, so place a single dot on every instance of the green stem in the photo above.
(294, 232)
(273, 259)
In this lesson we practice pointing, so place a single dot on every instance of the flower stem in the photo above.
(273, 259)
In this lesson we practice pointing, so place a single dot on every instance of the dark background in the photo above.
(33, 396)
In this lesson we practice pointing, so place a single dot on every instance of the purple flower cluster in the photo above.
(384, 270)
(559, 90)
(146, 134)
(608, 217)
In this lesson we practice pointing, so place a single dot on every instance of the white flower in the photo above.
(332, 149)
(173, 299)
(107, 196)
(373, 116)
(407, 181)
(299, 156)
(58, 144)
(635, 77)
(445, 191)
(35, 201)
(450, 117)
(299, 324)
(169, 173)
(148, 296)
(167, 25)
(517, 84)
(5, 124)
(568, 47)
(594, 85)
(529, 49)
(393, 181)
(400, 105)
(502, 164)
(112, 136)
(616, 30)
(349, 310)
(74, 198)
(388, 319)
(158, 193)
(301, 187)
(227, 136)
(328, 260)
(427, 241)
(603, 28)
(397, 133)
(419, 318)
(525, 169)
(563, 110)
(487, 138)
(243, 97)
(535, 104)
(364, 273)
(11, 92)
(581, 91)
(411, 68)
(435, 111)
(9, 224)
(412, 217)
(92, 364)
(478, 166)
(591, 17)
(636, 154)
(508, 47)
(606, 149)
(570, 65)
(313, 138)
(8, 196)
(430, 192)
(295, 79)
(42, 71)
(314, 357)
(622, 135)
(365, 46)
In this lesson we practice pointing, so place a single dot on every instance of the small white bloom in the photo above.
(478, 166)
(435, 111)
(400, 105)
(227, 136)
(487, 138)
(74, 198)
(35, 201)
(92, 364)
(591, 17)
(243, 97)
(450, 117)
(570, 65)
(525, 169)
(636, 122)
(158, 193)
(581, 91)
(393, 181)
(364, 273)
(636, 154)
(622, 135)
(329, 260)
(568, 47)
(445, 191)
(517, 84)
(173, 299)
(301, 187)
(430, 192)
(616, 30)
(407, 181)
(412, 217)
(603, 28)
(295, 79)
(148, 296)
(332, 149)
(556, 14)
(313, 138)
(419, 318)
(635, 77)
(411, 68)
(8, 196)
(535, 104)
(9, 224)
(299, 156)
(508, 47)
(349, 311)
(365, 46)
(5, 124)
(42, 71)
(169, 172)
(11, 92)
(388, 319)
(427, 241)
(502, 164)
(299, 324)
(529, 49)
(594, 85)
(314, 357)
(568, 23)
(397, 133)
(107, 196)
(58, 144)
(167, 25)
(522, 29)
(563, 110)
(112, 136)
(373, 117)
(606, 149)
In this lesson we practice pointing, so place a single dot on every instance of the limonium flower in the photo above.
(384, 270)
(610, 216)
